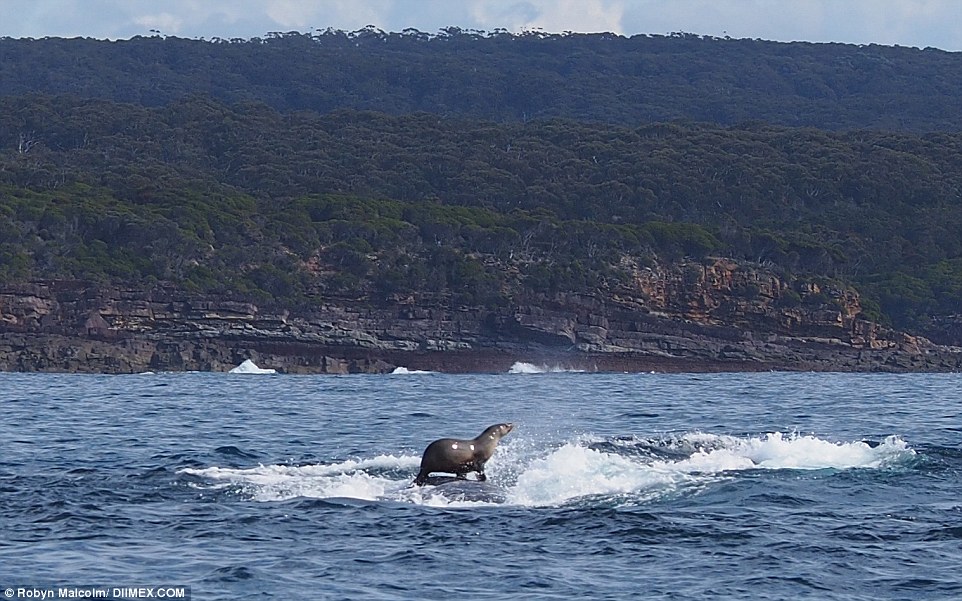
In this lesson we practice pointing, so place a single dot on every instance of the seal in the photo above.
(458, 457)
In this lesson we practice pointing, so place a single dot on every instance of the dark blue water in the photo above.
(728, 486)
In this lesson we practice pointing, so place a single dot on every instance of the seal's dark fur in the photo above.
(458, 457)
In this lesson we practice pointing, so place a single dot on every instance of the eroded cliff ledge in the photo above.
(708, 316)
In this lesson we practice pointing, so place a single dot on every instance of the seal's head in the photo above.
(497, 431)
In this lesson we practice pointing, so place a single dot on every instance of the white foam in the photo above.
(403, 371)
(575, 471)
(529, 476)
(350, 479)
(793, 451)
(249, 367)
(520, 367)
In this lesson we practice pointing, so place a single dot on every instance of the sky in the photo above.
(919, 23)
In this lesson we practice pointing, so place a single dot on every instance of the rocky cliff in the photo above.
(707, 316)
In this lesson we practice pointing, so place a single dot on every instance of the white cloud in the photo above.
(580, 15)
(905, 22)
(496, 15)
(302, 15)
(550, 15)
(290, 13)
(164, 22)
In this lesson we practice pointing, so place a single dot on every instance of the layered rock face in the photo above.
(710, 316)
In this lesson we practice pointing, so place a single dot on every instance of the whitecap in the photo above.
(777, 450)
(574, 471)
(403, 371)
(522, 367)
(367, 479)
(249, 367)
(527, 474)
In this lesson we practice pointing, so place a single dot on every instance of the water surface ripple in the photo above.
(612, 486)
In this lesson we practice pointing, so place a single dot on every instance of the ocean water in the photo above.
(611, 486)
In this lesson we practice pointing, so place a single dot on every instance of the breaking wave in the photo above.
(403, 371)
(523, 473)
(520, 367)
(249, 367)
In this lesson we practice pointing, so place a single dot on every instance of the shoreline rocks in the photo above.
(708, 324)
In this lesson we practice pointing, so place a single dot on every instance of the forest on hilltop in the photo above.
(480, 168)
(502, 77)
(249, 201)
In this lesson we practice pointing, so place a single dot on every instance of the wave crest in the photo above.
(528, 474)
(521, 367)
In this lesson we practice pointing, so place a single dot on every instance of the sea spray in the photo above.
(532, 473)
(368, 479)
(403, 371)
(249, 367)
(521, 367)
